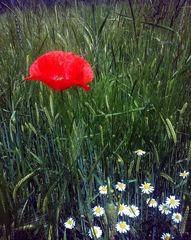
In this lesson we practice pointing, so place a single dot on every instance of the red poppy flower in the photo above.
(61, 70)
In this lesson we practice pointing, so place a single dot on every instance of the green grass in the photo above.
(57, 148)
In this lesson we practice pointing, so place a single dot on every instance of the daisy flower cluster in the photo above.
(94, 231)
(98, 212)
(169, 206)
(125, 213)
(123, 210)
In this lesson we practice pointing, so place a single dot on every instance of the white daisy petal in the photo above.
(70, 223)
(122, 227)
(177, 217)
(120, 186)
(146, 188)
(103, 189)
(132, 211)
(152, 202)
(167, 236)
(172, 202)
(122, 209)
(164, 209)
(184, 174)
(139, 152)
(95, 231)
(98, 211)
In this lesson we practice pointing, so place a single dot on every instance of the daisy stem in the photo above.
(138, 164)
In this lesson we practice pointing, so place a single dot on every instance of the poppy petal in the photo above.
(61, 70)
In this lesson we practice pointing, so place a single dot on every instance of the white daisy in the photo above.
(103, 189)
(132, 211)
(140, 152)
(172, 202)
(152, 202)
(95, 231)
(70, 223)
(120, 186)
(167, 236)
(98, 211)
(176, 217)
(164, 208)
(146, 188)
(122, 227)
(122, 209)
(184, 174)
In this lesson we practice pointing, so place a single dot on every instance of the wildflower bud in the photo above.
(120, 161)
(111, 211)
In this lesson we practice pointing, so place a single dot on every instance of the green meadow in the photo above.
(58, 147)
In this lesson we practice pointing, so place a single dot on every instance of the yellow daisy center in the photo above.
(184, 174)
(167, 238)
(70, 221)
(139, 150)
(172, 201)
(98, 210)
(121, 207)
(104, 188)
(146, 185)
(120, 185)
(177, 217)
(152, 201)
(122, 225)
